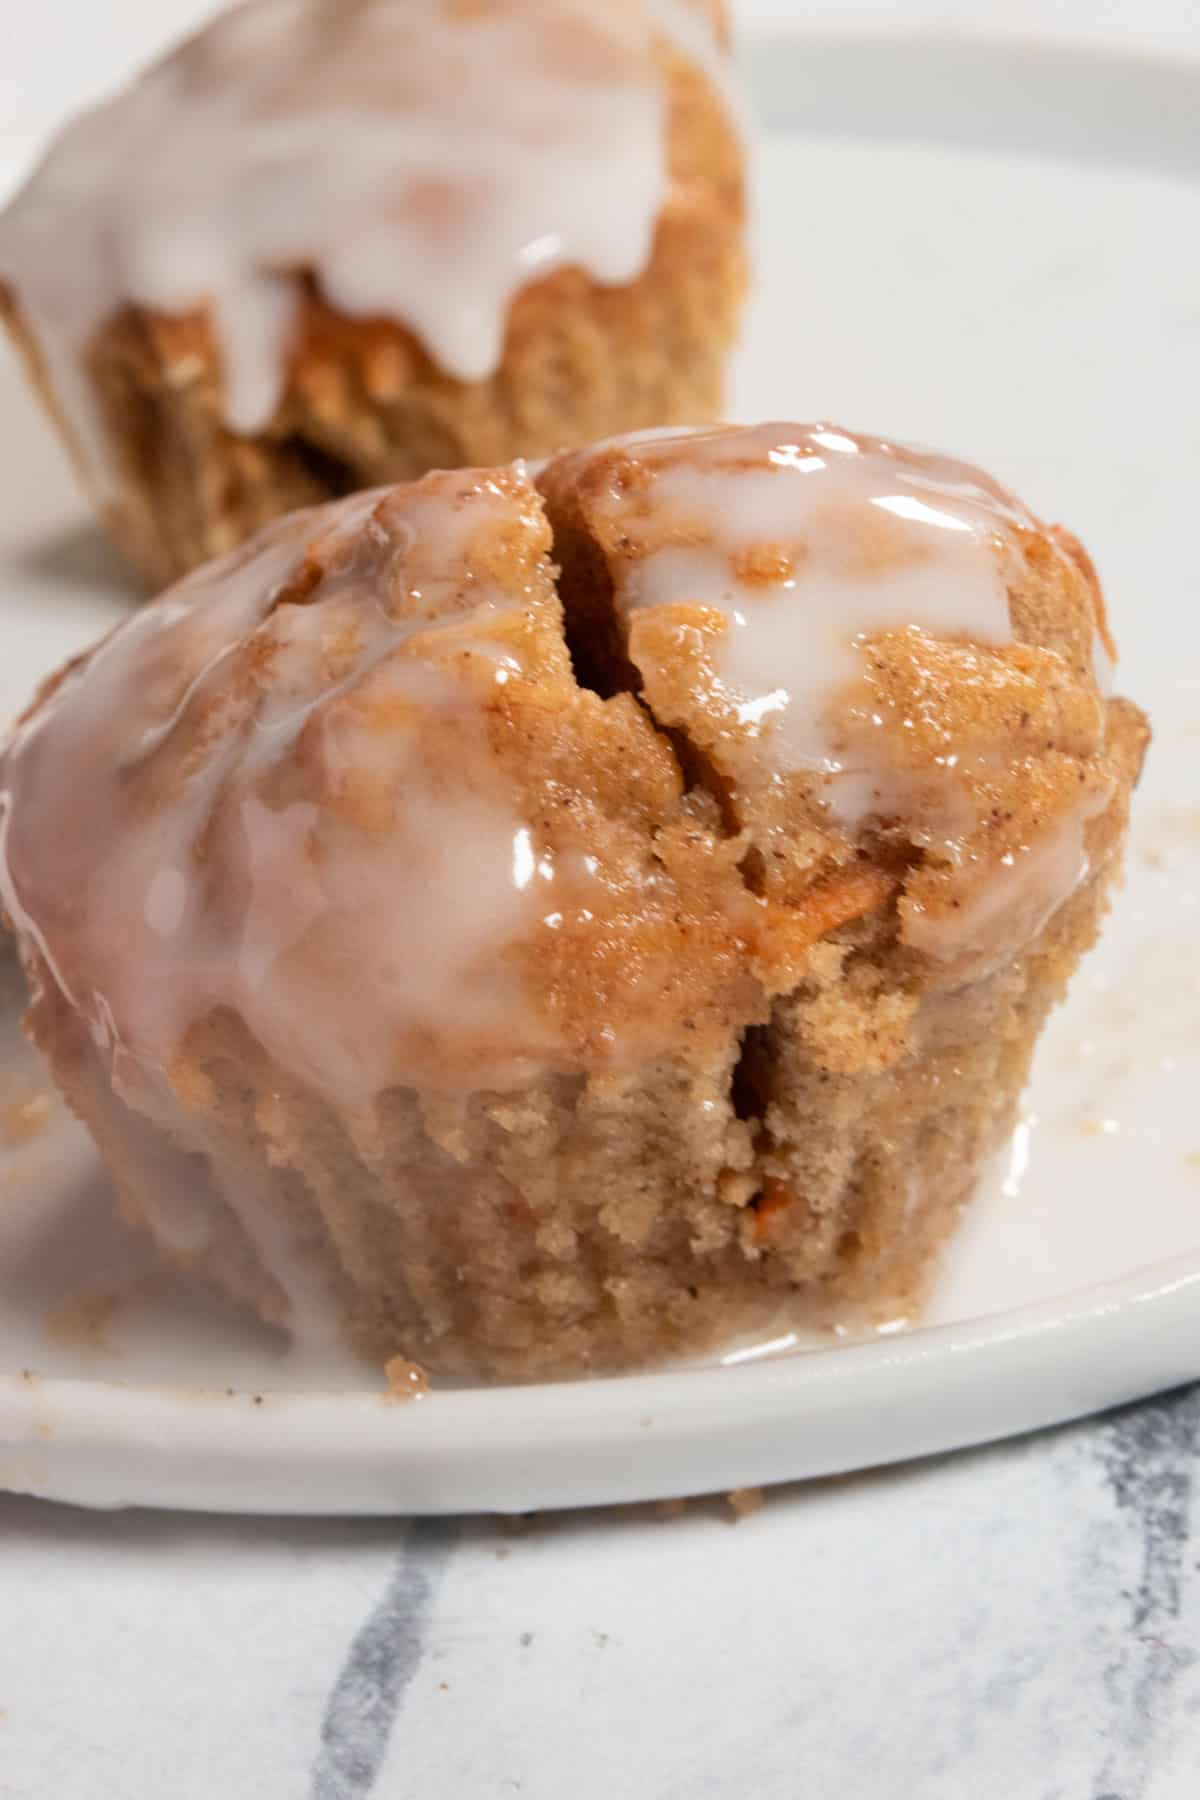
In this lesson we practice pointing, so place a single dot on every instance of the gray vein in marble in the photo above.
(386, 1653)
(1149, 1455)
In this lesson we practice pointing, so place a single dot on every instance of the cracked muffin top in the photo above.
(455, 784)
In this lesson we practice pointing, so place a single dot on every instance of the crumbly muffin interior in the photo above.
(523, 992)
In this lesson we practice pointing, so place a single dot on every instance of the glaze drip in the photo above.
(271, 793)
(422, 160)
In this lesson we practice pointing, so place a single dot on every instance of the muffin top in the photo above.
(858, 638)
(419, 160)
(456, 783)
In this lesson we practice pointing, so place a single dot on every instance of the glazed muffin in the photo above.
(320, 248)
(546, 927)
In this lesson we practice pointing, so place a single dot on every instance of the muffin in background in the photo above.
(547, 928)
(319, 248)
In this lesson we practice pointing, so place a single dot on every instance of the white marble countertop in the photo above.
(1017, 1623)
(1014, 1624)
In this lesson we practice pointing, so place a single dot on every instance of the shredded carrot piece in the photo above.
(775, 1199)
(788, 931)
(1068, 542)
(847, 895)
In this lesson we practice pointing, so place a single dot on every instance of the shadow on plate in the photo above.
(84, 556)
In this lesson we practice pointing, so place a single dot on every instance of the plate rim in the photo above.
(85, 1439)
(111, 1444)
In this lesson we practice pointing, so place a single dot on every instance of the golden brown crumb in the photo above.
(745, 1501)
(406, 1380)
(1094, 1125)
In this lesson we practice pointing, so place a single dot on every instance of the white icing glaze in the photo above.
(1022, 892)
(302, 1271)
(424, 160)
(242, 803)
(873, 537)
(810, 541)
(1104, 667)
(187, 1182)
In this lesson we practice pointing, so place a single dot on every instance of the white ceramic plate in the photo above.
(997, 252)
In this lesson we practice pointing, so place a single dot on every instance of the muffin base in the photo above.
(588, 1224)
